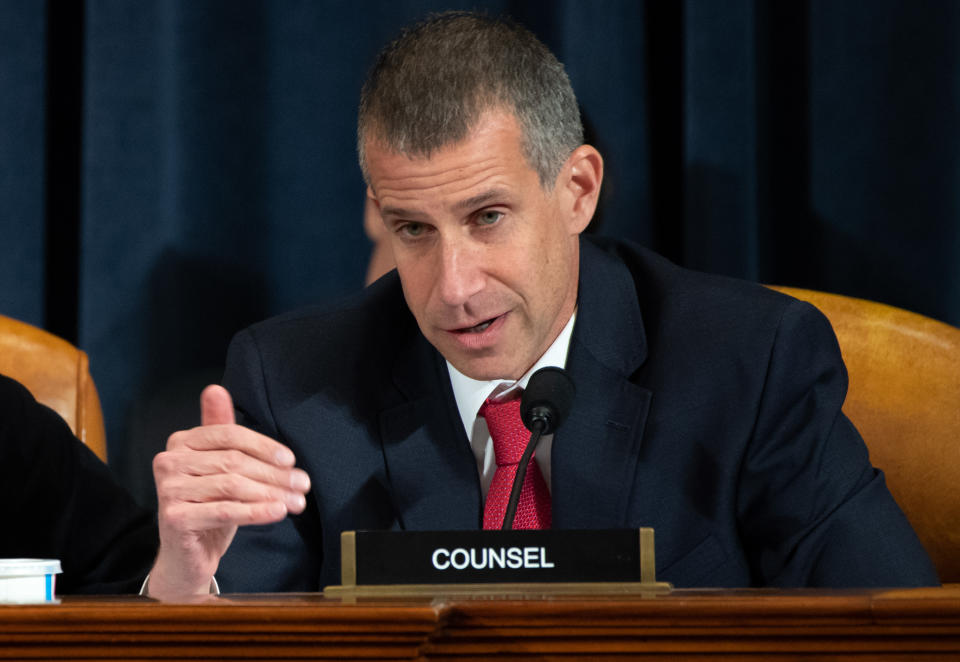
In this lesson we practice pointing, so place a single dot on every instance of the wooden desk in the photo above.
(719, 625)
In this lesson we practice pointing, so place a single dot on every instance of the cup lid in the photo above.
(20, 567)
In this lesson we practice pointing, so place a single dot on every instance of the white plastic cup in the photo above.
(28, 580)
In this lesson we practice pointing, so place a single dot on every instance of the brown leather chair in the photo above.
(904, 397)
(58, 375)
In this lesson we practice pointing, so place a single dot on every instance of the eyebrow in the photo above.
(397, 212)
(480, 200)
(463, 205)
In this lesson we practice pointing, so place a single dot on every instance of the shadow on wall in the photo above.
(717, 218)
(197, 305)
(732, 228)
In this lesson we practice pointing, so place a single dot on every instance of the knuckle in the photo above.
(274, 494)
(165, 491)
(177, 440)
(222, 513)
(162, 463)
(231, 486)
(174, 516)
(233, 461)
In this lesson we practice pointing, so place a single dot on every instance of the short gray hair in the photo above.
(429, 87)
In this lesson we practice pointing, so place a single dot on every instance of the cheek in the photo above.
(553, 275)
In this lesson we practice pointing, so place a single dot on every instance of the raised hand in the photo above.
(210, 480)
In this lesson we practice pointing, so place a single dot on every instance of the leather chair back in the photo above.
(57, 374)
(904, 398)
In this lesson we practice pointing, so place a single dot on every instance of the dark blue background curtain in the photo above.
(172, 170)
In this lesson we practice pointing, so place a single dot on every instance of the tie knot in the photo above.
(506, 429)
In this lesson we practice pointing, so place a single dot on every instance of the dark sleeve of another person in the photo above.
(59, 501)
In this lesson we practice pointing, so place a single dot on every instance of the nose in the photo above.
(460, 274)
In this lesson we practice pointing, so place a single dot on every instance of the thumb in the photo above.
(216, 406)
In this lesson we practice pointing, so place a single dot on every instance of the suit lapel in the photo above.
(595, 453)
(432, 471)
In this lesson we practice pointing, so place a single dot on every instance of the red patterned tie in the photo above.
(510, 437)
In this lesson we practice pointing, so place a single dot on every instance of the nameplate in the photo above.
(381, 558)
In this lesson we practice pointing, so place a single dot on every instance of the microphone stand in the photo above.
(543, 407)
(539, 425)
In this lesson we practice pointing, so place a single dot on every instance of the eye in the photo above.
(489, 217)
(412, 229)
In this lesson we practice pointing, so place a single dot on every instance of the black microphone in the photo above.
(543, 407)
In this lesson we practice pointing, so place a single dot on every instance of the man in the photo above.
(705, 407)
(60, 501)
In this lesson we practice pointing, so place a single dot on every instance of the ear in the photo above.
(372, 223)
(381, 255)
(580, 178)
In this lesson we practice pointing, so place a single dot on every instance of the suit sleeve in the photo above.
(813, 511)
(287, 555)
(61, 502)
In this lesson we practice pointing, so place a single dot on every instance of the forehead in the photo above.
(490, 156)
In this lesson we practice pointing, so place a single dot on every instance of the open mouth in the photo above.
(482, 336)
(481, 327)
(478, 328)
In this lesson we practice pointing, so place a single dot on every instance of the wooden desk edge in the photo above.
(689, 622)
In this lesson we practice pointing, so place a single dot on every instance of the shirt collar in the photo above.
(471, 393)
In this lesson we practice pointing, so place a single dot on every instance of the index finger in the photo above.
(233, 437)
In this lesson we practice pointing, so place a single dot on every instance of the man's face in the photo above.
(488, 259)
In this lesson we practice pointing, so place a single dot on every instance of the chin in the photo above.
(485, 369)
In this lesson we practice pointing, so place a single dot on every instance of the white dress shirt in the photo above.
(471, 394)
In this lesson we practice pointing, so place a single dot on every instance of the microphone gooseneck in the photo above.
(543, 407)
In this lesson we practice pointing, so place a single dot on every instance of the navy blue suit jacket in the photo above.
(707, 408)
